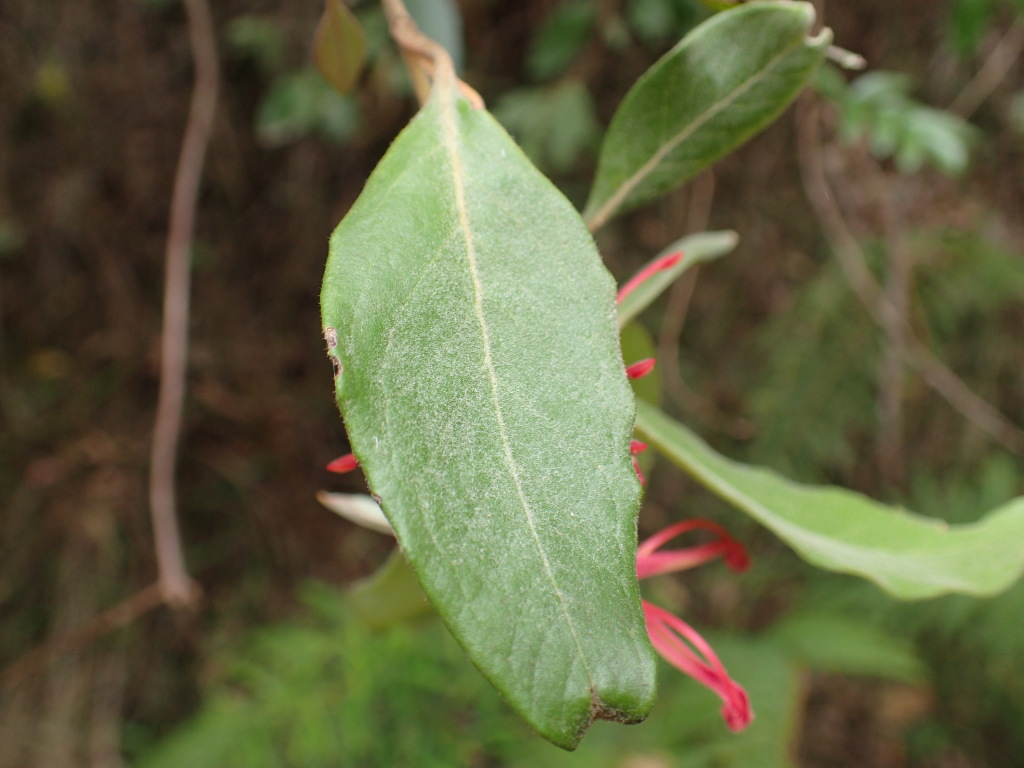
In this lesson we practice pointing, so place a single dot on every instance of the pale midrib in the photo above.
(447, 111)
(606, 210)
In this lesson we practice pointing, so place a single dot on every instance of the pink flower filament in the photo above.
(650, 561)
(686, 650)
(645, 274)
(343, 464)
(676, 640)
(640, 368)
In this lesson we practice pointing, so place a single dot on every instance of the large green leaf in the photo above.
(908, 555)
(725, 81)
(483, 390)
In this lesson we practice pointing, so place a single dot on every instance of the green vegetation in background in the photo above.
(325, 690)
(877, 106)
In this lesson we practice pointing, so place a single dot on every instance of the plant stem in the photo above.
(851, 260)
(175, 584)
(425, 59)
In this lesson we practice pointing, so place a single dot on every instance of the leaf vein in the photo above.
(451, 141)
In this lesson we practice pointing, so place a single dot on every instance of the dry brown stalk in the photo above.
(176, 586)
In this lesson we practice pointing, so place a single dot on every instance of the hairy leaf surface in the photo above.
(483, 391)
(725, 81)
(908, 555)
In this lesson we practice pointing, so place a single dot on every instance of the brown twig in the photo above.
(892, 367)
(851, 260)
(991, 73)
(701, 195)
(424, 58)
(118, 616)
(174, 582)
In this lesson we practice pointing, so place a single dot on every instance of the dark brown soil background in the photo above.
(93, 98)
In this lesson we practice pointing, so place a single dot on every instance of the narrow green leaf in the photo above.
(696, 249)
(339, 47)
(909, 556)
(723, 83)
(484, 394)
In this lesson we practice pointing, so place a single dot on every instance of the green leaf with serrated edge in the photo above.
(696, 249)
(339, 47)
(484, 394)
(908, 555)
(724, 82)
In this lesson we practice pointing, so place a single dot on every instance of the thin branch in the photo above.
(851, 260)
(425, 59)
(991, 73)
(117, 616)
(175, 584)
(892, 366)
(701, 195)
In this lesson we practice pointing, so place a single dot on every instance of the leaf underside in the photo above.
(723, 83)
(483, 392)
(907, 555)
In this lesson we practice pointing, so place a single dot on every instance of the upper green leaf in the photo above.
(725, 81)
(908, 555)
(484, 394)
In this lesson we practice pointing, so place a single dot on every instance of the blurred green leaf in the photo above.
(389, 596)
(497, 443)
(840, 644)
(303, 104)
(877, 106)
(656, 21)
(723, 83)
(339, 46)
(968, 20)
(560, 39)
(554, 125)
(910, 556)
(651, 20)
(258, 38)
(944, 137)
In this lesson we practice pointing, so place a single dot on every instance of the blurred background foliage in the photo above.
(769, 353)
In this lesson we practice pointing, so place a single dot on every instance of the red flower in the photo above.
(673, 638)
